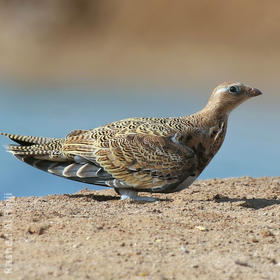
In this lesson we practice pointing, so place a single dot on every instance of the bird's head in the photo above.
(229, 95)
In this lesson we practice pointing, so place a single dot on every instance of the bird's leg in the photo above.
(133, 195)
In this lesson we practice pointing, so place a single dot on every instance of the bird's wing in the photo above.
(138, 160)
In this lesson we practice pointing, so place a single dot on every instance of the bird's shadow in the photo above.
(97, 197)
(100, 197)
(255, 203)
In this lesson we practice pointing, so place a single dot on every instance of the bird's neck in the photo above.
(211, 115)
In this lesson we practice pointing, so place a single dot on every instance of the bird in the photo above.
(154, 155)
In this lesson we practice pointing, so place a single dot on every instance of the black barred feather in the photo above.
(28, 140)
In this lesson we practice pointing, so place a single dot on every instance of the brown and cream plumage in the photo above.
(139, 154)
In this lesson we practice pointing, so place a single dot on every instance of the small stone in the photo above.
(76, 245)
(273, 261)
(266, 233)
(195, 266)
(217, 197)
(242, 263)
(184, 249)
(37, 228)
(201, 228)
(3, 236)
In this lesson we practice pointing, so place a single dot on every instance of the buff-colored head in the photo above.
(229, 95)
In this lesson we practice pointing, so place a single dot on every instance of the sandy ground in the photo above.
(216, 229)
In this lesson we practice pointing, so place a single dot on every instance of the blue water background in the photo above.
(251, 147)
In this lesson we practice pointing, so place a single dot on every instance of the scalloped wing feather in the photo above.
(138, 160)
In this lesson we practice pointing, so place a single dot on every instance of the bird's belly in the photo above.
(186, 183)
(171, 188)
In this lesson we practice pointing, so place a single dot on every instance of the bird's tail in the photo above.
(40, 152)
(47, 154)
(28, 140)
(35, 147)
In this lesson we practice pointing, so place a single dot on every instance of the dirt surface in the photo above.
(216, 229)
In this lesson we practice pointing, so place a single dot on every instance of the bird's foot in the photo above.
(132, 195)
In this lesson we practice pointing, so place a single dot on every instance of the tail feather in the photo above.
(28, 140)
(28, 150)
(52, 148)
(38, 147)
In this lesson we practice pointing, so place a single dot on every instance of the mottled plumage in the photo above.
(139, 154)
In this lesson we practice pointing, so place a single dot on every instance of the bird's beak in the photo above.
(254, 92)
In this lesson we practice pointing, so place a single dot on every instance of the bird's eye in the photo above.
(234, 89)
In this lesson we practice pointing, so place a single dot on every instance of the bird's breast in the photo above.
(206, 143)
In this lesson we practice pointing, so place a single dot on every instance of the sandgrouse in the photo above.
(157, 155)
